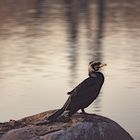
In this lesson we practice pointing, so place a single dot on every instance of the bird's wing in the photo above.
(83, 95)
(85, 87)
(81, 98)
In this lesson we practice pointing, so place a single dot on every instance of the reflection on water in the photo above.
(44, 43)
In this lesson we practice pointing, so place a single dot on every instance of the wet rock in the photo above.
(80, 127)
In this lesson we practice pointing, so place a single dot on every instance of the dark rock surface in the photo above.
(80, 127)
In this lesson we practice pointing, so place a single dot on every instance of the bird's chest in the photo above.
(94, 89)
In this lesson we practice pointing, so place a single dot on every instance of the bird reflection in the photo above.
(36, 19)
(72, 15)
(74, 18)
(39, 8)
(100, 30)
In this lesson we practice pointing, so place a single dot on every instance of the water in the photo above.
(45, 47)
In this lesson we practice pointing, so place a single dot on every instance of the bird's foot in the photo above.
(85, 113)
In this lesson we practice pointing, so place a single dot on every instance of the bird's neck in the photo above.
(93, 74)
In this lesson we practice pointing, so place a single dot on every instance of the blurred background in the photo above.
(45, 48)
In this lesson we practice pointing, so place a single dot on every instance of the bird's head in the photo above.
(95, 66)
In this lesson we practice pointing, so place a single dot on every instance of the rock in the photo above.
(80, 127)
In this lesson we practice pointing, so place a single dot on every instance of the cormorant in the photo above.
(84, 94)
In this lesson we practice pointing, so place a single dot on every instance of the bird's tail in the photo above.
(54, 116)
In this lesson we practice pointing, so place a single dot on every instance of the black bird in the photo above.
(84, 94)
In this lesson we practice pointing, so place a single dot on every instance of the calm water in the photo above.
(45, 47)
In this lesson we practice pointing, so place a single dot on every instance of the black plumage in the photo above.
(84, 94)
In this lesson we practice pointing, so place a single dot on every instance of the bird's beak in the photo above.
(102, 65)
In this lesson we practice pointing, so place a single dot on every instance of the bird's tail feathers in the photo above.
(54, 116)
